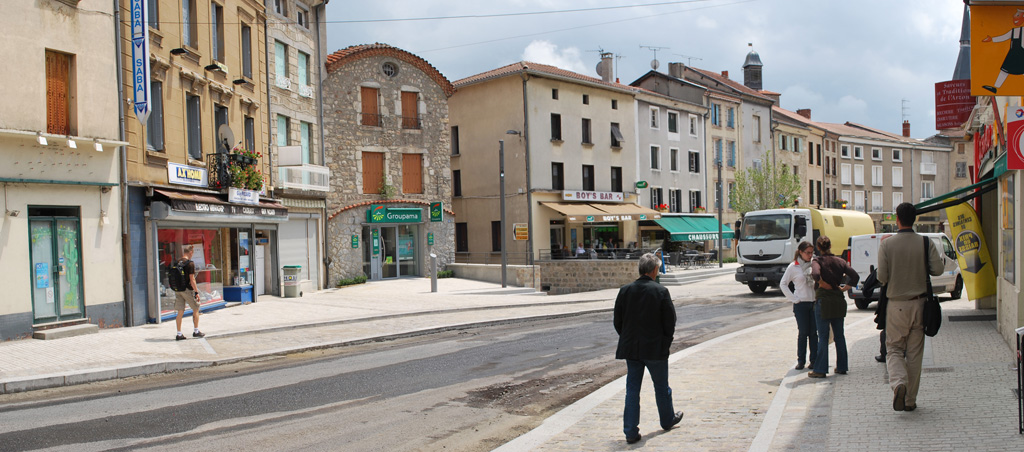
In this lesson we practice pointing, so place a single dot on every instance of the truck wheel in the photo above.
(862, 303)
(958, 289)
(757, 287)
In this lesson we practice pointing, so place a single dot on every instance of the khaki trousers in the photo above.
(904, 332)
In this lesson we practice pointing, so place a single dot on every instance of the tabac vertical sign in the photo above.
(140, 59)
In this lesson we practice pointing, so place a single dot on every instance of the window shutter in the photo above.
(58, 67)
(373, 171)
(410, 108)
(369, 101)
(412, 173)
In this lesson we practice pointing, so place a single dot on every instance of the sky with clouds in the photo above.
(852, 61)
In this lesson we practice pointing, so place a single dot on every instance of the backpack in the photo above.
(176, 276)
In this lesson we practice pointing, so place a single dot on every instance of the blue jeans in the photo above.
(821, 358)
(806, 331)
(662, 394)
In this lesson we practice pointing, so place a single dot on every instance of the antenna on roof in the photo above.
(654, 62)
(689, 59)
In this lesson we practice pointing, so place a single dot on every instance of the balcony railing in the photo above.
(304, 177)
(369, 119)
(412, 122)
(928, 169)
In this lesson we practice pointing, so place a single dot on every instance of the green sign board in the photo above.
(641, 184)
(355, 241)
(376, 242)
(436, 212)
(379, 213)
(430, 238)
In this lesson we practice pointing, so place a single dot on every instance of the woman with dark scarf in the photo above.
(830, 306)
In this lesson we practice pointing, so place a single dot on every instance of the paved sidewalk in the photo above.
(740, 391)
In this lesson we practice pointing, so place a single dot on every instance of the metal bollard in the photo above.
(433, 272)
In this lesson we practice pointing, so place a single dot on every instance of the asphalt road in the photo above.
(471, 389)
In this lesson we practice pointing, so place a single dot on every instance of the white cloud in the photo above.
(545, 52)
(798, 96)
(852, 104)
(706, 23)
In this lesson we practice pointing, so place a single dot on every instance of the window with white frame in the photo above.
(927, 189)
(693, 125)
(897, 199)
(655, 116)
(655, 153)
(845, 151)
(858, 153)
(844, 174)
(876, 154)
(858, 174)
(847, 196)
(961, 170)
(674, 199)
(782, 142)
(302, 16)
(858, 201)
(876, 175)
(876, 201)
(897, 155)
(694, 200)
(673, 160)
(694, 161)
(673, 122)
(897, 177)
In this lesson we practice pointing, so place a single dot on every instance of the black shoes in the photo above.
(880, 358)
(898, 398)
(909, 407)
(799, 367)
(633, 440)
(675, 420)
(179, 337)
(198, 335)
(814, 374)
(841, 372)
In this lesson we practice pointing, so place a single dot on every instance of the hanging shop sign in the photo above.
(380, 213)
(641, 184)
(243, 196)
(140, 59)
(1014, 137)
(995, 50)
(436, 212)
(953, 103)
(577, 195)
(522, 231)
(430, 238)
(186, 175)
(355, 241)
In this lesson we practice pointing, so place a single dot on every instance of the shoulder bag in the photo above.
(932, 311)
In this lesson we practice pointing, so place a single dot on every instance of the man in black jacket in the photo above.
(645, 319)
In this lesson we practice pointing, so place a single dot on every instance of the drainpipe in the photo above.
(529, 189)
(266, 66)
(126, 274)
(320, 9)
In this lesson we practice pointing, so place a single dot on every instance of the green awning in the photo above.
(693, 228)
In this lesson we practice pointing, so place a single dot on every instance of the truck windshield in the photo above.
(766, 227)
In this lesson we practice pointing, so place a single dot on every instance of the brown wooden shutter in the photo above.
(58, 86)
(371, 116)
(373, 171)
(410, 108)
(412, 173)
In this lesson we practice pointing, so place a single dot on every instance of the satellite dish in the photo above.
(655, 64)
(224, 139)
(603, 69)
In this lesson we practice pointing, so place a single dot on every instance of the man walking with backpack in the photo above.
(183, 282)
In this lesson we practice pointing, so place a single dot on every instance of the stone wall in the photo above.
(560, 277)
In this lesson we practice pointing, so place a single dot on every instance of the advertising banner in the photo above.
(1014, 135)
(971, 251)
(140, 59)
(953, 103)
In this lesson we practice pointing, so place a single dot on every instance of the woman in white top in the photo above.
(802, 296)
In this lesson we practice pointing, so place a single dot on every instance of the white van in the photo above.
(864, 255)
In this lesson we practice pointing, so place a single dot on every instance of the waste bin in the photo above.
(291, 281)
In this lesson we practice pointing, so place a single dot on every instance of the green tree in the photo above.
(767, 187)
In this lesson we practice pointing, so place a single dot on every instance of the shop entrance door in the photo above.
(56, 268)
(388, 252)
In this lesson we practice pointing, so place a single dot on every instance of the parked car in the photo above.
(863, 255)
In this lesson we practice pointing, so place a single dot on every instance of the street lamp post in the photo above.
(720, 206)
(501, 174)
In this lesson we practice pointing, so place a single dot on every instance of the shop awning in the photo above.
(172, 204)
(950, 199)
(597, 212)
(693, 228)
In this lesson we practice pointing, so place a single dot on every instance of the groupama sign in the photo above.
(380, 213)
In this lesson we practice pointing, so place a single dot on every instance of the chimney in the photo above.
(906, 128)
(725, 74)
(805, 112)
(675, 70)
(605, 68)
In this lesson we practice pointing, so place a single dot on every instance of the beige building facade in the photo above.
(60, 151)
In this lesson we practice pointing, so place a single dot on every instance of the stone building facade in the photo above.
(387, 145)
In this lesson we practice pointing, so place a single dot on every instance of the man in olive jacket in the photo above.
(645, 319)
